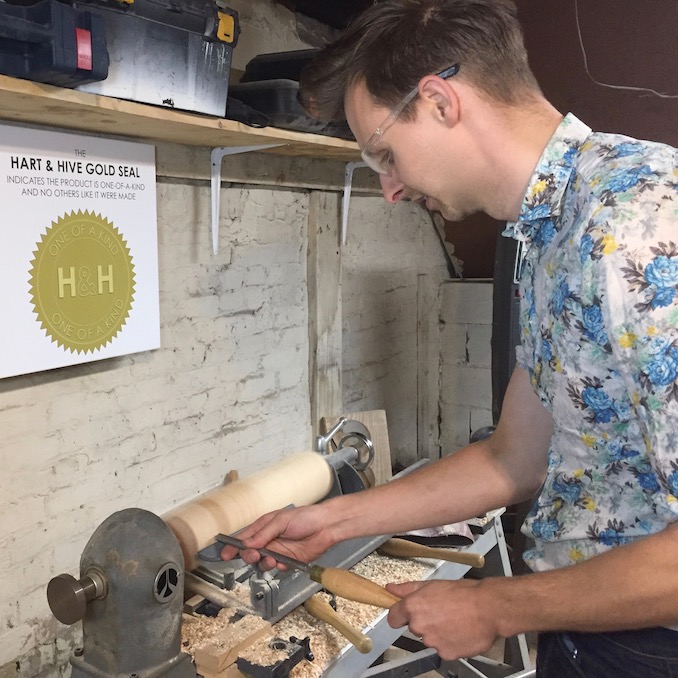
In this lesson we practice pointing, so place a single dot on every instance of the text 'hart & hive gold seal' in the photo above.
(82, 281)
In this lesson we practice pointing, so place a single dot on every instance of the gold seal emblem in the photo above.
(82, 281)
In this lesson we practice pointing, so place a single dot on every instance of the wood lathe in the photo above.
(138, 569)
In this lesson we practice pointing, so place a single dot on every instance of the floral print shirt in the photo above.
(599, 338)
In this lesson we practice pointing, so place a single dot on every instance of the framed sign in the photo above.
(79, 260)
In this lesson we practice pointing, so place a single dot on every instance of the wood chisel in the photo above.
(341, 582)
(404, 548)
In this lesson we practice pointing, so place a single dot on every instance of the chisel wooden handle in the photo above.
(352, 586)
(409, 549)
(321, 609)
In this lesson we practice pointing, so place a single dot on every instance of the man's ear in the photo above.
(442, 97)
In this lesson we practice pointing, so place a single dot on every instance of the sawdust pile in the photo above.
(198, 630)
(326, 643)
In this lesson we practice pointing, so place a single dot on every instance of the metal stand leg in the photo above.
(516, 647)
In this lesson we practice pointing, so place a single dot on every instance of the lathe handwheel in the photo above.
(363, 446)
(68, 596)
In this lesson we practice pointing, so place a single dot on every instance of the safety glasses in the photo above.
(380, 160)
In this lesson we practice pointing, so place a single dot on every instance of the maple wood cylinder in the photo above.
(301, 479)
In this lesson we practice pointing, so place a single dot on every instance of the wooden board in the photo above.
(229, 643)
(375, 421)
(324, 306)
(30, 102)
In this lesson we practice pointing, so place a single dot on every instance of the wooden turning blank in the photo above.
(301, 479)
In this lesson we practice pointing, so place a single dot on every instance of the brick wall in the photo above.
(465, 358)
(381, 264)
(227, 390)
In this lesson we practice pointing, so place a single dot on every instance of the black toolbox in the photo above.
(270, 85)
(52, 43)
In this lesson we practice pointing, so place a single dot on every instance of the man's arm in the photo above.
(501, 470)
(629, 587)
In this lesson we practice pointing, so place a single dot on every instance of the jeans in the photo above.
(647, 653)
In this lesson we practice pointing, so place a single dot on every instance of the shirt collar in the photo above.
(551, 176)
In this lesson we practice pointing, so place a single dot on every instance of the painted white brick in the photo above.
(33, 606)
(24, 512)
(9, 615)
(67, 639)
(479, 345)
(466, 386)
(455, 427)
(454, 344)
(9, 670)
(14, 643)
(33, 665)
(466, 379)
(22, 556)
(467, 302)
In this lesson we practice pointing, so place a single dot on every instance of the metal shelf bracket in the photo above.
(217, 156)
(346, 200)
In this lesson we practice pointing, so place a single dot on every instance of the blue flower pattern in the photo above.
(594, 328)
(599, 338)
(662, 276)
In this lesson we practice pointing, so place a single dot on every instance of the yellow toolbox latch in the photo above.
(228, 28)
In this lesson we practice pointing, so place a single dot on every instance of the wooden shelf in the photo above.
(30, 102)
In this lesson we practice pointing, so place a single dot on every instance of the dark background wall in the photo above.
(627, 43)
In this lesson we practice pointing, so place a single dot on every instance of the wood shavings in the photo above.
(229, 644)
(483, 521)
(326, 642)
(199, 630)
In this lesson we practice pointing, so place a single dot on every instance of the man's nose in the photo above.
(392, 188)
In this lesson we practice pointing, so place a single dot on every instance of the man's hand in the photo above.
(300, 533)
(455, 618)
(630, 587)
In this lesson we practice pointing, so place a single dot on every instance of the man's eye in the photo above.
(386, 158)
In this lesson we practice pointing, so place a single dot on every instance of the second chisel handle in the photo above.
(404, 548)
(352, 586)
(321, 609)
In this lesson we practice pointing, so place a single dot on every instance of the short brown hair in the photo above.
(394, 43)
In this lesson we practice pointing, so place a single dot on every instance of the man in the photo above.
(442, 102)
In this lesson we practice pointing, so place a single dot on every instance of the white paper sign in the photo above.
(79, 252)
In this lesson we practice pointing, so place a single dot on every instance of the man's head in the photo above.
(441, 100)
(394, 43)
